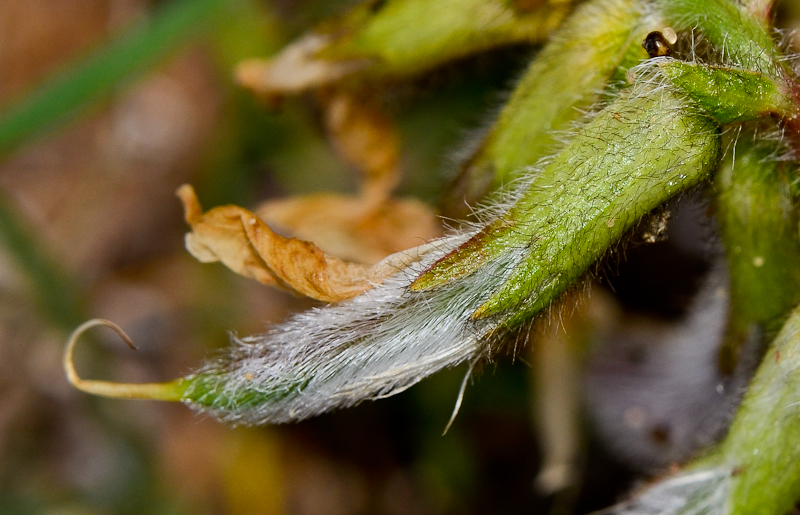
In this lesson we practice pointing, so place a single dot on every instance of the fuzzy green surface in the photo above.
(758, 221)
(405, 37)
(762, 444)
(729, 95)
(736, 34)
(638, 152)
(566, 77)
(210, 391)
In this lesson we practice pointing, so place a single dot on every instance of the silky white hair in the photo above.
(374, 345)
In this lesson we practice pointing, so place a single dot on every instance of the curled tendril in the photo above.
(171, 391)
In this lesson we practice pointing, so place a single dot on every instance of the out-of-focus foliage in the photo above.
(90, 227)
(91, 206)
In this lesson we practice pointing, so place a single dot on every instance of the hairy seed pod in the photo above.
(453, 305)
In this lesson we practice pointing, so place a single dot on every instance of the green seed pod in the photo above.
(741, 38)
(758, 220)
(395, 39)
(598, 43)
(434, 313)
(638, 152)
(762, 442)
(400, 38)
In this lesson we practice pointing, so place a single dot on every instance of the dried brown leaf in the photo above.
(367, 228)
(366, 137)
(295, 69)
(219, 235)
(245, 244)
(353, 228)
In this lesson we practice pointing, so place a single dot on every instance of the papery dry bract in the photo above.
(353, 228)
(245, 244)
(364, 135)
(241, 241)
(398, 39)
(367, 227)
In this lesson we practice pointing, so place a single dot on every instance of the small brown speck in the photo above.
(660, 434)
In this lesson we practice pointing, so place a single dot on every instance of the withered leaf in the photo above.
(354, 228)
(296, 68)
(366, 136)
(242, 241)
(369, 227)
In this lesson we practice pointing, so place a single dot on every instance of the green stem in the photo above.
(58, 298)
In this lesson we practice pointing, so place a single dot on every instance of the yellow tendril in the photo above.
(171, 391)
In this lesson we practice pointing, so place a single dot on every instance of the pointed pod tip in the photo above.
(171, 391)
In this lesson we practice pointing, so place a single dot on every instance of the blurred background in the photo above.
(109, 106)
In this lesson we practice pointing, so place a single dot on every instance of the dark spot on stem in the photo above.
(656, 45)
(527, 5)
(377, 5)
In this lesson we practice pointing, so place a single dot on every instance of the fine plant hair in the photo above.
(382, 341)
(698, 492)
(374, 345)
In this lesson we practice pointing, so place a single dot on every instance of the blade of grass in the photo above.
(99, 74)
(52, 291)
(62, 98)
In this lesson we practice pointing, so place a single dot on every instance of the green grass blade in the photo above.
(52, 291)
(98, 75)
